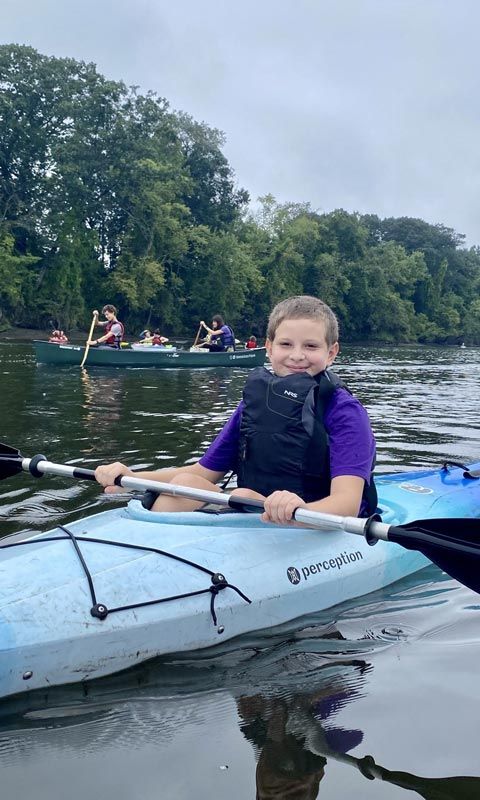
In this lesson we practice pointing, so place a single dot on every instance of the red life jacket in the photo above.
(114, 340)
(58, 339)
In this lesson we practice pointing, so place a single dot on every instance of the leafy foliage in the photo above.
(107, 195)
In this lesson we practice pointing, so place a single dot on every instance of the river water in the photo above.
(297, 713)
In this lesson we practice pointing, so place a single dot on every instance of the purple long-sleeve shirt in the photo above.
(351, 440)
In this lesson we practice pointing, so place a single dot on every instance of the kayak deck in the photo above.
(165, 602)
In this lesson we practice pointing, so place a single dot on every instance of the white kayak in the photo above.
(96, 597)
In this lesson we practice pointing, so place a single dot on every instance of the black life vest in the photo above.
(283, 441)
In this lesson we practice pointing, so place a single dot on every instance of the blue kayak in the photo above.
(126, 585)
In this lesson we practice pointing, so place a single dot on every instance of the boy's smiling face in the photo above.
(299, 345)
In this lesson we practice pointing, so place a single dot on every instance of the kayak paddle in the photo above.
(451, 544)
(334, 743)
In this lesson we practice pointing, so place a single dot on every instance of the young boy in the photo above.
(114, 330)
(298, 439)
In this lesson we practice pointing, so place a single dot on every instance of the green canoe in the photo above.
(50, 353)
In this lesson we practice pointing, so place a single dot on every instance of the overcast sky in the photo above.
(368, 105)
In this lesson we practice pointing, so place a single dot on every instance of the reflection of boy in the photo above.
(286, 770)
(291, 743)
(298, 438)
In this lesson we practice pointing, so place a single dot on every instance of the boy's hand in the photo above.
(279, 507)
(107, 473)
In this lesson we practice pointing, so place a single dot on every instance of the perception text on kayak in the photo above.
(338, 562)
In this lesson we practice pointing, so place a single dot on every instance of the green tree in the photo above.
(14, 277)
(471, 323)
(211, 197)
(218, 276)
(108, 195)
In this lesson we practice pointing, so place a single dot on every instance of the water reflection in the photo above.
(295, 739)
(461, 787)
(403, 677)
(292, 710)
(292, 735)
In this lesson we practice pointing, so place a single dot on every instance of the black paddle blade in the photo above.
(10, 461)
(451, 544)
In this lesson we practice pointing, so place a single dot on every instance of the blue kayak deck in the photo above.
(274, 575)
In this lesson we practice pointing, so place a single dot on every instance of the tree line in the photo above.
(109, 195)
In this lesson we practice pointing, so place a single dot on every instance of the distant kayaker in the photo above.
(114, 330)
(221, 335)
(298, 439)
(251, 343)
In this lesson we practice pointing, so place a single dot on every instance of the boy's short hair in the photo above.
(304, 307)
(109, 308)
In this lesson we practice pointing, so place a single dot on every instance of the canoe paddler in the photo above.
(298, 439)
(114, 329)
(220, 336)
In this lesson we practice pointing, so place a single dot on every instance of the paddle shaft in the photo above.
(87, 343)
(452, 544)
(197, 336)
(316, 519)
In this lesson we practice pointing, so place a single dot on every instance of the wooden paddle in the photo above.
(87, 343)
(452, 544)
(197, 336)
